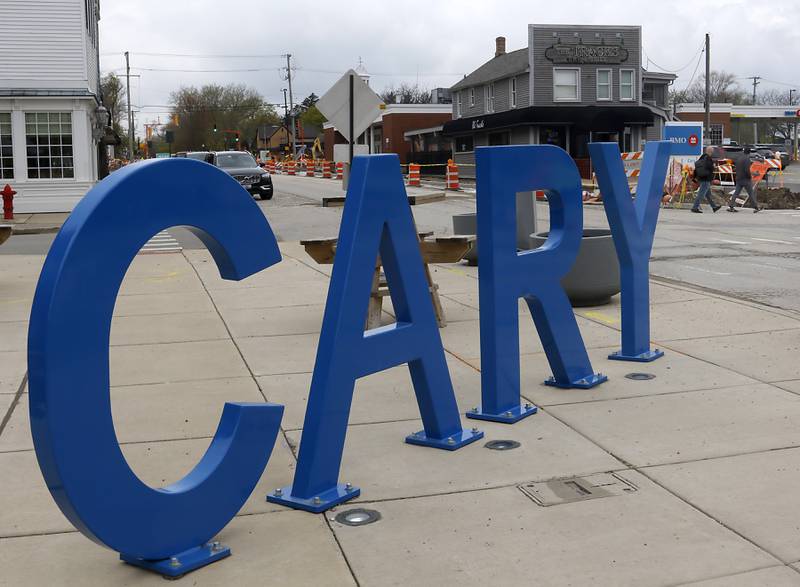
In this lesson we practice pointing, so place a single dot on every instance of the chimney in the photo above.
(500, 46)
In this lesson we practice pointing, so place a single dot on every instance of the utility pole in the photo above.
(131, 152)
(755, 79)
(708, 90)
(286, 117)
(291, 102)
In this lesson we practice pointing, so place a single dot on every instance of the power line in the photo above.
(772, 81)
(248, 70)
(380, 74)
(199, 55)
(699, 58)
(699, 50)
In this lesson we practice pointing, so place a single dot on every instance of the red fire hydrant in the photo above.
(8, 202)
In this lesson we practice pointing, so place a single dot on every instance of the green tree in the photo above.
(197, 112)
(308, 113)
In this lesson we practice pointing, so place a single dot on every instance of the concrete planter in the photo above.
(595, 276)
(467, 224)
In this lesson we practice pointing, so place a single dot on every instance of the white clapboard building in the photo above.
(49, 96)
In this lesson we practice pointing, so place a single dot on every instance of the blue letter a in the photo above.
(377, 218)
(633, 224)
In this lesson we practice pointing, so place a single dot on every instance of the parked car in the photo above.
(778, 151)
(199, 155)
(244, 169)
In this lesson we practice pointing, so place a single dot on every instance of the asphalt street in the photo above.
(750, 256)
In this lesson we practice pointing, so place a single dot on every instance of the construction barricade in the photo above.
(310, 168)
(326, 170)
(271, 166)
(413, 174)
(291, 167)
(340, 170)
(723, 173)
(452, 176)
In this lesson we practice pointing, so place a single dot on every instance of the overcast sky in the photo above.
(434, 43)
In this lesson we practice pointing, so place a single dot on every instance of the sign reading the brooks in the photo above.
(580, 53)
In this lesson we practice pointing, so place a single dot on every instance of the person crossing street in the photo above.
(744, 180)
(704, 173)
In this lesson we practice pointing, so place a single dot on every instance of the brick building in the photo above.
(392, 131)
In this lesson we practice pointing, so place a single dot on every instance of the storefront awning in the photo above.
(596, 118)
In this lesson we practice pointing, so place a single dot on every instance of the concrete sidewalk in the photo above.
(709, 448)
(41, 223)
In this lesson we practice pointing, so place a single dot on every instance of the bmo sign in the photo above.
(686, 138)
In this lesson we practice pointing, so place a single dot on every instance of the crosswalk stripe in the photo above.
(163, 242)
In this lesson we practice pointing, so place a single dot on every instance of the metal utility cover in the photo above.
(547, 493)
(335, 105)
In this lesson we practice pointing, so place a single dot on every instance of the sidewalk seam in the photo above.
(639, 470)
(14, 403)
(261, 391)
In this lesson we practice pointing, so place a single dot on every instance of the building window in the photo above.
(489, 95)
(513, 92)
(6, 152)
(627, 84)
(715, 134)
(603, 84)
(458, 105)
(48, 137)
(472, 97)
(566, 84)
(464, 144)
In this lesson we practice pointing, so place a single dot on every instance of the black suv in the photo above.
(244, 169)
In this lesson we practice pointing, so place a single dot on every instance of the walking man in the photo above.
(704, 173)
(744, 181)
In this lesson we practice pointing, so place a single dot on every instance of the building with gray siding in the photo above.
(570, 86)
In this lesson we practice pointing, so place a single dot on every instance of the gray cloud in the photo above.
(430, 42)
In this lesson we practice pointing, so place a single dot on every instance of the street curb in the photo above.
(45, 229)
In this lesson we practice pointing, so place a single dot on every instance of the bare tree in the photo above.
(113, 96)
(778, 130)
(724, 89)
(406, 94)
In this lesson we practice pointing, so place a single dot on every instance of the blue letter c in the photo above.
(70, 324)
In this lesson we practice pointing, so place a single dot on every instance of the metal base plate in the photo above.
(181, 563)
(510, 416)
(586, 383)
(453, 442)
(644, 357)
(318, 503)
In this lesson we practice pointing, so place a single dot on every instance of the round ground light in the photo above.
(640, 376)
(501, 444)
(357, 517)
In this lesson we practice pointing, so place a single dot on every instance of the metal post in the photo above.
(352, 122)
(291, 102)
(131, 153)
(708, 89)
(286, 117)
(795, 141)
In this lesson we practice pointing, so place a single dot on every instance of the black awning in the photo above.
(584, 117)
